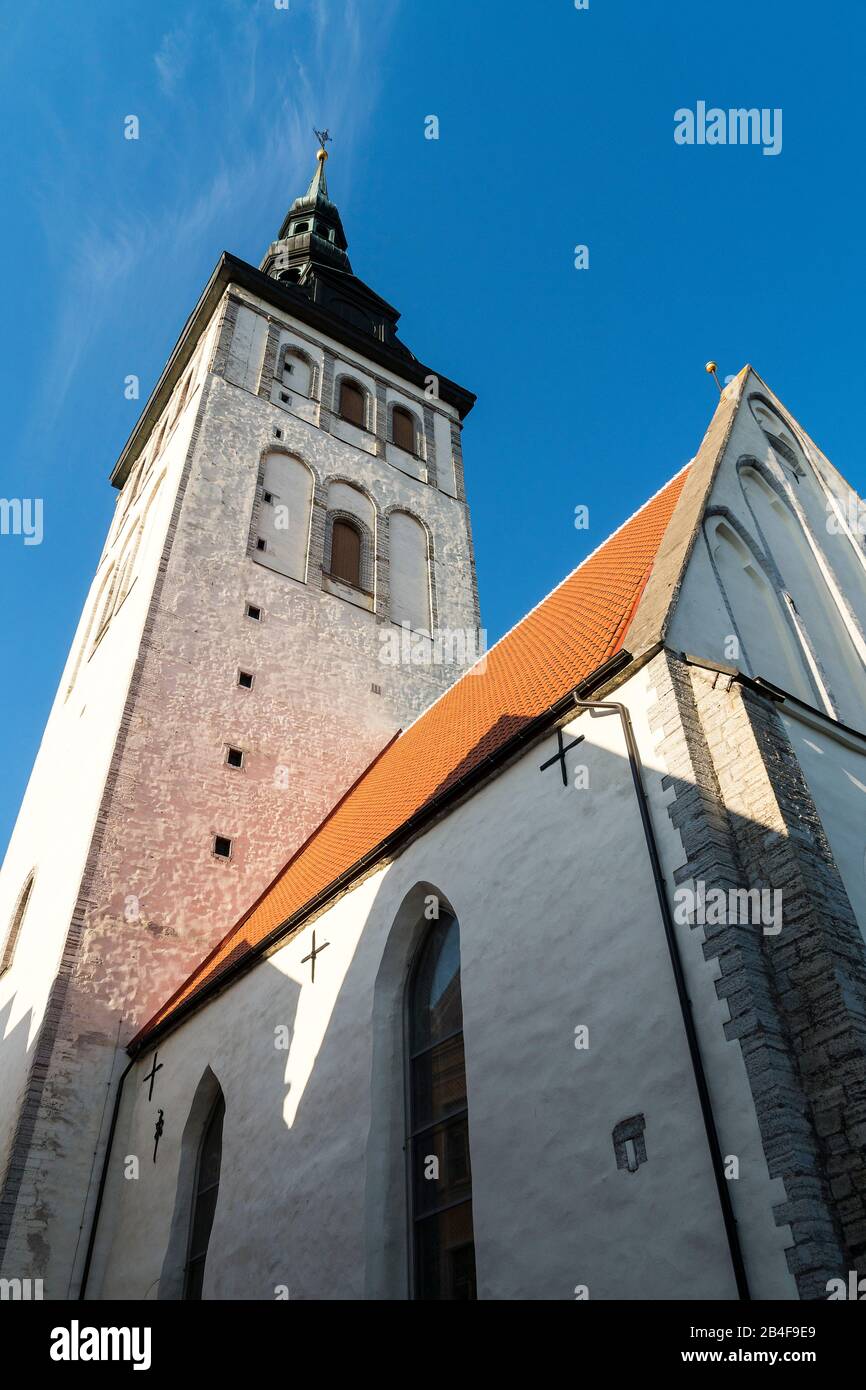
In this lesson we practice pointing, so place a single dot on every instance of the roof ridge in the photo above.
(529, 612)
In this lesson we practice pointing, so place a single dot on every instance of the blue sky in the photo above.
(556, 128)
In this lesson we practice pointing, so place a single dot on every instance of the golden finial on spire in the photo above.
(712, 370)
(323, 136)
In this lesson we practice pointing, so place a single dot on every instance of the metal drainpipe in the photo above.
(94, 1222)
(682, 993)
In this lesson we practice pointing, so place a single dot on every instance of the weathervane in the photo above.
(323, 137)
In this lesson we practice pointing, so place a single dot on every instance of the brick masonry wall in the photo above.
(797, 1000)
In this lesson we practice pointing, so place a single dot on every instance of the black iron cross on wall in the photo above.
(316, 951)
(151, 1076)
(559, 757)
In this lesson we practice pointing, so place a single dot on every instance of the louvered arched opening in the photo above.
(346, 553)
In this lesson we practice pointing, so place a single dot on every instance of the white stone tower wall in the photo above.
(55, 824)
(131, 784)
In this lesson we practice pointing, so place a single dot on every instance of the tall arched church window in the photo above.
(346, 553)
(207, 1182)
(352, 403)
(403, 429)
(443, 1241)
(15, 926)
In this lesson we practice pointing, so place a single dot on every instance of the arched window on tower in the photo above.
(295, 371)
(440, 1196)
(207, 1182)
(105, 605)
(160, 438)
(15, 926)
(409, 572)
(352, 404)
(282, 533)
(403, 430)
(346, 553)
(125, 567)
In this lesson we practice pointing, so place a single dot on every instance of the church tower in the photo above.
(290, 502)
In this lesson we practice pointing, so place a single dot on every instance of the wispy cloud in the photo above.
(270, 76)
(173, 56)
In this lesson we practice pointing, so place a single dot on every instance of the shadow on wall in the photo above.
(14, 1073)
(288, 1168)
(554, 927)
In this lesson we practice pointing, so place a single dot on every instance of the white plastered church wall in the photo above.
(555, 898)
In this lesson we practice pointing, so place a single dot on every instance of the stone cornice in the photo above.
(283, 296)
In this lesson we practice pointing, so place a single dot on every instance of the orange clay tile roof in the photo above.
(580, 625)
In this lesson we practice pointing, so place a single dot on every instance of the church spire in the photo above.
(311, 253)
(312, 234)
(319, 184)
